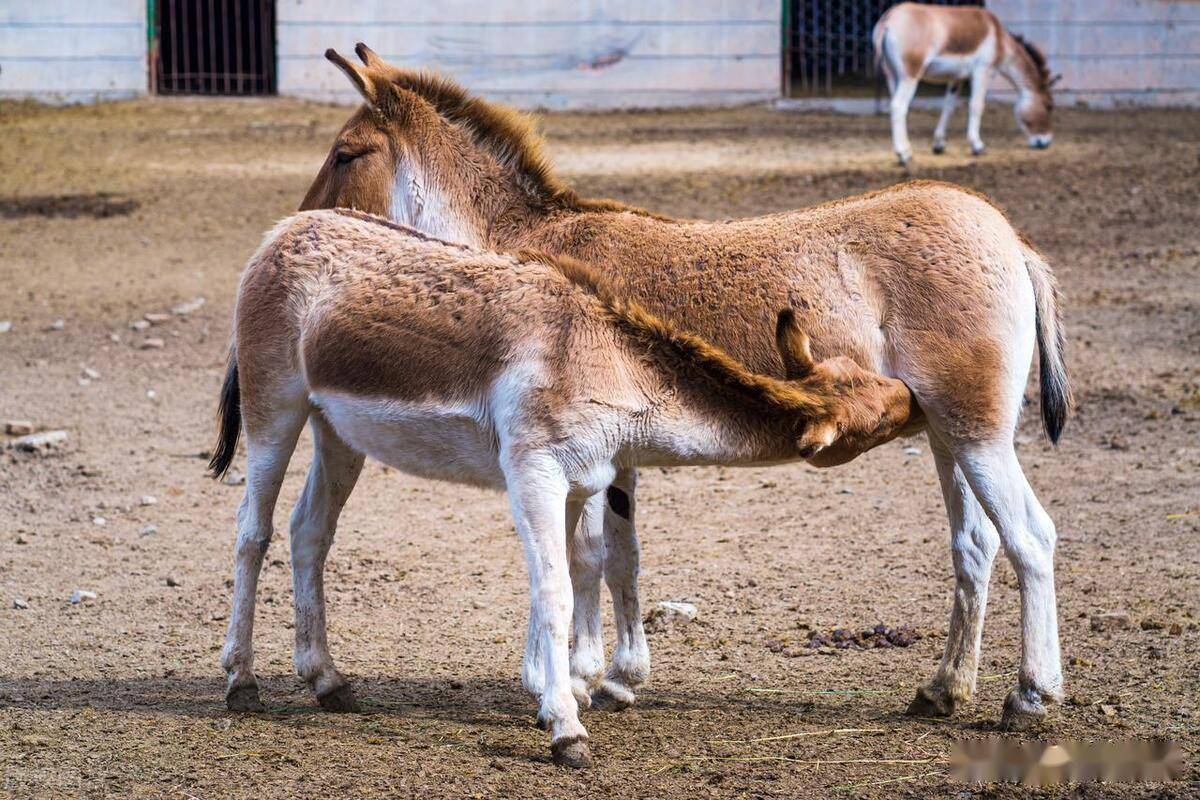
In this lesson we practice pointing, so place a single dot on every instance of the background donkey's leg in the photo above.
(948, 105)
(537, 491)
(586, 547)
(631, 658)
(973, 545)
(1029, 537)
(331, 478)
(267, 454)
(979, 81)
(902, 97)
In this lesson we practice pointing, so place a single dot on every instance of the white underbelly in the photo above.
(949, 68)
(448, 443)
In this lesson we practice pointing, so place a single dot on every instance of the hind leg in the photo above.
(586, 549)
(331, 477)
(973, 545)
(268, 450)
(939, 133)
(1028, 536)
(630, 665)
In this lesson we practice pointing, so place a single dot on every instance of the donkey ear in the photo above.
(358, 76)
(368, 56)
(793, 346)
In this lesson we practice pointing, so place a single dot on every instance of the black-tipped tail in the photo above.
(229, 420)
(1057, 401)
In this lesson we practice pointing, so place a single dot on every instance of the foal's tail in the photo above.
(1051, 339)
(229, 419)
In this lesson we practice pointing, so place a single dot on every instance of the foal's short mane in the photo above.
(683, 349)
(507, 134)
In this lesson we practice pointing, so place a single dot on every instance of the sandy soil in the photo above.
(122, 695)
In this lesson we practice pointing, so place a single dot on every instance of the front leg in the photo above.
(630, 665)
(979, 81)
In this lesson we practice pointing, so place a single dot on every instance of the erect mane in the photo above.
(507, 134)
(684, 349)
(1037, 57)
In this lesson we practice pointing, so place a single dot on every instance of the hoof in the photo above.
(931, 701)
(939, 148)
(977, 151)
(339, 700)
(610, 696)
(1023, 709)
(244, 699)
(571, 752)
(541, 723)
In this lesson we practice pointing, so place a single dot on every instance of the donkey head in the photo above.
(1035, 106)
(865, 409)
(425, 153)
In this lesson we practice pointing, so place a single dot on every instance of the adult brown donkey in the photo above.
(926, 282)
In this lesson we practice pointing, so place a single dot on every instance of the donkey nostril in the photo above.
(810, 451)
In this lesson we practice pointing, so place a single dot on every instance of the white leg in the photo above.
(973, 545)
(586, 548)
(331, 478)
(902, 96)
(630, 665)
(1028, 536)
(537, 491)
(939, 133)
(267, 456)
(979, 81)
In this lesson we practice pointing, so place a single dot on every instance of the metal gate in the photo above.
(212, 46)
(827, 44)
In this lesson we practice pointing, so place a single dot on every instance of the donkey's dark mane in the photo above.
(1037, 57)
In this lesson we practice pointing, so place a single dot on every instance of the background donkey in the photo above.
(924, 281)
(949, 44)
(527, 374)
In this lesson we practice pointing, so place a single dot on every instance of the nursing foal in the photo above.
(923, 281)
(949, 44)
(525, 373)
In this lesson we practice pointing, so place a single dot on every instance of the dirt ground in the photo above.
(122, 694)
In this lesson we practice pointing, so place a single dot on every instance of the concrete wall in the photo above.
(546, 53)
(72, 50)
(1114, 52)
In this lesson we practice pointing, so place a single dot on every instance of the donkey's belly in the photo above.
(448, 443)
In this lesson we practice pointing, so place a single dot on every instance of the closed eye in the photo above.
(343, 157)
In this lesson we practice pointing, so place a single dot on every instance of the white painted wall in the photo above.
(72, 50)
(1114, 52)
(546, 53)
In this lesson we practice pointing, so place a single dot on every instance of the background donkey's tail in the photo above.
(1056, 386)
(229, 419)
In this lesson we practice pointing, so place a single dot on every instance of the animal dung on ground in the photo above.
(881, 636)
